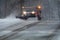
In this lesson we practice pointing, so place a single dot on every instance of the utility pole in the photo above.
(21, 4)
(5, 14)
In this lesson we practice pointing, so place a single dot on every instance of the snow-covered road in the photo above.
(40, 29)
(9, 24)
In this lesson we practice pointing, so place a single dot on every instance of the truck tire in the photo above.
(38, 17)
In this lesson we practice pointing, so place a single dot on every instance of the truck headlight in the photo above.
(33, 12)
(24, 12)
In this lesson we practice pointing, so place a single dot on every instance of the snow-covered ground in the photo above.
(9, 24)
(37, 32)
(4, 23)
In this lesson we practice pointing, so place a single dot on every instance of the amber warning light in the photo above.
(39, 7)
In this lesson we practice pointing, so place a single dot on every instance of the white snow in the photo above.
(9, 21)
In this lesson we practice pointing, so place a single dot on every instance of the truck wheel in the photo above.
(38, 17)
